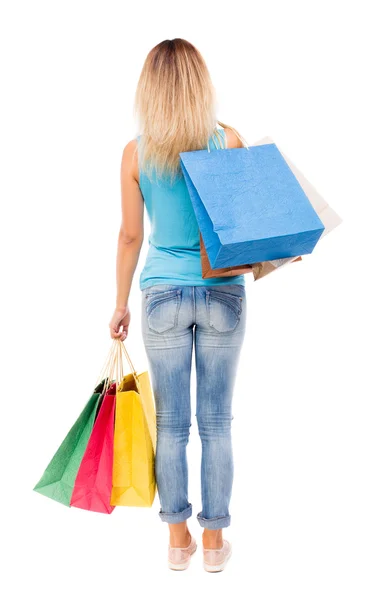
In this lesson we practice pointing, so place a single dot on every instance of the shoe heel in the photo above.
(216, 568)
(182, 566)
(176, 567)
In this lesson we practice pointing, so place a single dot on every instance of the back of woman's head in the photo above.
(175, 105)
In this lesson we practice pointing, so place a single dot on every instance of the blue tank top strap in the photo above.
(217, 141)
(220, 135)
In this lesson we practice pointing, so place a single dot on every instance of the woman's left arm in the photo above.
(130, 239)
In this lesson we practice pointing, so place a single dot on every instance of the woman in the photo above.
(175, 104)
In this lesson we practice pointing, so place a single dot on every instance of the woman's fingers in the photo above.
(114, 328)
(117, 322)
(125, 324)
(120, 334)
(115, 333)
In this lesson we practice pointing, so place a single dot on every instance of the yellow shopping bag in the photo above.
(133, 477)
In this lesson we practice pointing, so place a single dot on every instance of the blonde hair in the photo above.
(175, 105)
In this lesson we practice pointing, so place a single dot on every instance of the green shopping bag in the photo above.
(58, 479)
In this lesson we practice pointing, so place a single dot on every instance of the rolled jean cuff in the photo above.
(215, 522)
(176, 517)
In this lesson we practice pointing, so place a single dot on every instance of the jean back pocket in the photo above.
(162, 309)
(223, 309)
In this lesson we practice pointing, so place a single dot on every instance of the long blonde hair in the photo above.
(175, 106)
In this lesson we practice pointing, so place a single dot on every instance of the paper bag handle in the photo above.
(108, 367)
(123, 348)
(218, 135)
(113, 366)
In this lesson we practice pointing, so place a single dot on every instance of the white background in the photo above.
(306, 500)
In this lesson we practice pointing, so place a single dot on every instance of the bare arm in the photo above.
(232, 139)
(130, 239)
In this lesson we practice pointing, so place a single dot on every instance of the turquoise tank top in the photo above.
(174, 245)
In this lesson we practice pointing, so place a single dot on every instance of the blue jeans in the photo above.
(213, 318)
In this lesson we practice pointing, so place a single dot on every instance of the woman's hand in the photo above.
(120, 318)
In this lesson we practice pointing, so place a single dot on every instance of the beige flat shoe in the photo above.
(179, 558)
(216, 560)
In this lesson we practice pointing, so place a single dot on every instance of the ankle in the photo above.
(180, 539)
(212, 539)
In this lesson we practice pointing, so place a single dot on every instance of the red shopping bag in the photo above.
(93, 484)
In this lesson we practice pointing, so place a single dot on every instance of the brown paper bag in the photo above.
(258, 269)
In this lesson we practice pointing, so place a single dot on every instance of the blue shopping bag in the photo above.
(249, 205)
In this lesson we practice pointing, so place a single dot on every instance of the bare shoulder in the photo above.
(130, 159)
(232, 139)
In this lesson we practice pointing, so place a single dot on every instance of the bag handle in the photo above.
(123, 348)
(108, 367)
(218, 135)
(113, 366)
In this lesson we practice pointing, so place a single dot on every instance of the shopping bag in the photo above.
(92, 487)
(328, 216)
(249, 205)
(133, 478)
(57, 482)
(326, 213)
